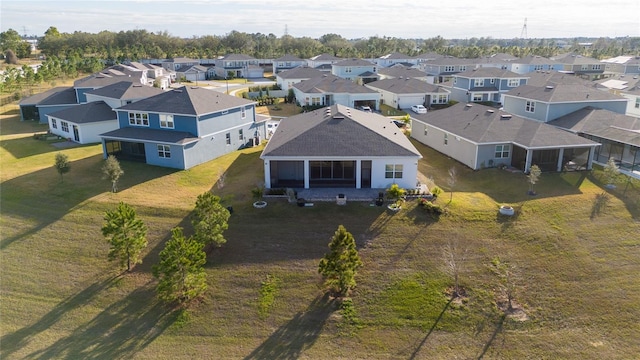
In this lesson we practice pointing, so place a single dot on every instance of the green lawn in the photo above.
(575, 253)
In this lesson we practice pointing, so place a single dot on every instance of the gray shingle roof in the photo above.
(406, 86)
(325, 57)
(562, 93)
(543, 78)
(103, 79)
(61, 92)
(331, 84)
(450, 60)
(341, 132)
(288, 57)
(188, 101)
(95, 111)
(300, 73)
(237, 57)
(535, 60)
(489, 72)
(155, 135)
(354, 62)
(402, 71)
(125, 90)
(179, 60)
(396, 56)
(486, 125)
(196, 68)
(575, 59)
(602, 123)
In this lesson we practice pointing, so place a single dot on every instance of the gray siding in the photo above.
(456, 147)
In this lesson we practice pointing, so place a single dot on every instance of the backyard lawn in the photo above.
(574, 251)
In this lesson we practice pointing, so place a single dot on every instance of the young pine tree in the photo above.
(340, 265)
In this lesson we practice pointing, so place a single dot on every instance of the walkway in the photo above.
(329, 194)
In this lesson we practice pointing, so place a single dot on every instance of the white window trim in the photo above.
(396, 172)
(164, 150)
(530, 106)
(167, 121)
(135, 119)
(478, 82)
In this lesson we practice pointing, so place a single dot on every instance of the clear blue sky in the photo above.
(349, 18)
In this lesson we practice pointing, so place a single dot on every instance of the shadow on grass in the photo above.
(600, 202)
(29, 146)
(16, 340)
(433, 327)
(40, 196)
(627, 192)
(119, 331)
(297, 335)
(497, 331)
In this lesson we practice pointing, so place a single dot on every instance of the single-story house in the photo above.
(329, 90)
(339, 146)
(36, 107)
(404, 93)
(285, 79)
(192, 73)
(481, 136)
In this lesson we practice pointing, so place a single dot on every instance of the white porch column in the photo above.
(267, 175)
(527, 164)
(358, 173)
(306, 174)
(560, 156)
(592, 153)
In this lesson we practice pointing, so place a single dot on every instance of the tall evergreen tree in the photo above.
(126, 234)
(209, 220)
(340, 265)
(62, 165)
(181, 269)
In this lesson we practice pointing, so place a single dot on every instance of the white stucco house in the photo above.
(339, 146)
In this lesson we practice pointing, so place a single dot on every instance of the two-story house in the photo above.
(484, 84)
(184, 127)
(329, 90)
(286, 79)
(402, 93)
(356, 70)
(287, 62)
(583, 66)
(549, 102)
(175, 64)
(533, 63)
(156, 75)
(443, 68)
(622, 65)
(238, 66)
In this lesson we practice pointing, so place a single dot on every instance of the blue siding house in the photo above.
(485, 84)
(183, 128)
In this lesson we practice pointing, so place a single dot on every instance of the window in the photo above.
(513, 82)
(243, 112)
(139, 119)
(584, 67)
(228, 137)
(597, 67)
(54, 123)
(446, 139)
(240, 135)
(449, 68)
(426, 131)
(65, 126)
(477, 97)
(463, 68)
(455, 80)
(638, 103)
(478, 82)
(393, 171)
(164, 151)
(502, 151)
(538, 67)
(530, 106)
(347, 70)
(492, 81)
(166, 121)
(315, 101)
(439, 99)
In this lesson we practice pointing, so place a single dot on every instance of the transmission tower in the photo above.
(286, 30)
(523, 33)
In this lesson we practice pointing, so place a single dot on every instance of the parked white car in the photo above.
(419, 109)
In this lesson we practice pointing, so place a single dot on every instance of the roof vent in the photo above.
(338, 117)
(548, 87)
(505, 116)
(178, 90)
(469, 105)
(490, 111)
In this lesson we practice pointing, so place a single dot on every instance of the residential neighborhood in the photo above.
(256, 196)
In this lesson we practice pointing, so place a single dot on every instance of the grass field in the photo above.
(575, 250)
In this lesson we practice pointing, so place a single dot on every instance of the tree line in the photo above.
(142, 44)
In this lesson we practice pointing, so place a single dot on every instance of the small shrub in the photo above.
(268, 292)
(431, 208)
(395, 192)
(278, 191)
(436, 191)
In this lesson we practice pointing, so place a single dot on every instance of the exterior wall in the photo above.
(409, 172)
(462, 83)
(459, 95)
(88, 133)
(81, 96)
(345, 99)
(487, 153)
(286, 84)
(558, 110)
(341, 71)
(114, 103)
(181, 123)
(461, 150)
(633, 105)
(527, 68)
(218, 122)
(43, 111)
(407, 101)
(176, 160)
